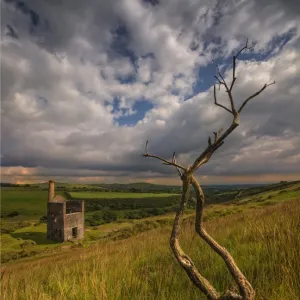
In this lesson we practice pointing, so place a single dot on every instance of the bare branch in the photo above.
(233, 73)
(216, 136)
(220, 74)
(254, 95)
(208, 152)
(228, 90)
(165, 162)
(234, 63)
(146, 148)
(209, 141)
(216, 103)
(231, 100)
(173, 158)
(219, 81)
(174, 161)
(244, 48)
(179, 172)
(222, 80)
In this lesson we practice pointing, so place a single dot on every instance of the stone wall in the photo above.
(55, 221)
(74, 220)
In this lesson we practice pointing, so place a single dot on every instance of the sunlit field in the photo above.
(264, 242)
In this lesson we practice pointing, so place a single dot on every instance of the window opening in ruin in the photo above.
(74, 232)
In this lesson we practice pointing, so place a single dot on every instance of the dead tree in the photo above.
(186, 174)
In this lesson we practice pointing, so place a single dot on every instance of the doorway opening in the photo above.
(74, 232)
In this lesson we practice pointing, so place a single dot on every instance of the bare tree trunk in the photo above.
(246, 290)
(186, 174)
(184, 260)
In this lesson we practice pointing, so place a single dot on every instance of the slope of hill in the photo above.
(142, 186)
(264, 242)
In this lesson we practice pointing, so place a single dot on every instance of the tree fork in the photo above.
(186, 174)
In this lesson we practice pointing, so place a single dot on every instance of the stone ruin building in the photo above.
(65, 218)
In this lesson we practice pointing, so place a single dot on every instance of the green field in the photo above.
(32, 204)
(117, 195)
(264, 242)
(26, 203)
(118, 213)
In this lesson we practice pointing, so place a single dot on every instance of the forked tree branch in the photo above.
(187, 177)
(228, 90)
(174, 161)
(246, 47)
(216, 102)
(165, 162)
(207, 153)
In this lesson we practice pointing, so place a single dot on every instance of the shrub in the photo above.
(43, 219)
(13, 214)
(8, 227)
(28, 244)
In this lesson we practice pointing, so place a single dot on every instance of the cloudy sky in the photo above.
(85, 83)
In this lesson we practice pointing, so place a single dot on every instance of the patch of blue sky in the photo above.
(140, 108)
(206, 74)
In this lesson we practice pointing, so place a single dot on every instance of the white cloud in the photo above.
(58, 96)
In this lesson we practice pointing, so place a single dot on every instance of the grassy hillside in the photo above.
(117, 195)
(269, 194)
(142, 186)
(271, 187)
(265, 243)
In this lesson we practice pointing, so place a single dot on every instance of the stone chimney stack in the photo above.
(51, 191)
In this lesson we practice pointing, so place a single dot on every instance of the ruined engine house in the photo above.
(65, 218)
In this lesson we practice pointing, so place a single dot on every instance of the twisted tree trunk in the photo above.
(186, 175)
(246, 290)
(184, 260)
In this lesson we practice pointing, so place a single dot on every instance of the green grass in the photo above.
(264, 242)
(291, 192)
(26, 242)
(9, 243)
(36, 233)
(271, 187)
(117, 195)
(27, 203)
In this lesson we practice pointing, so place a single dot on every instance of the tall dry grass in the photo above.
(265, 243)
